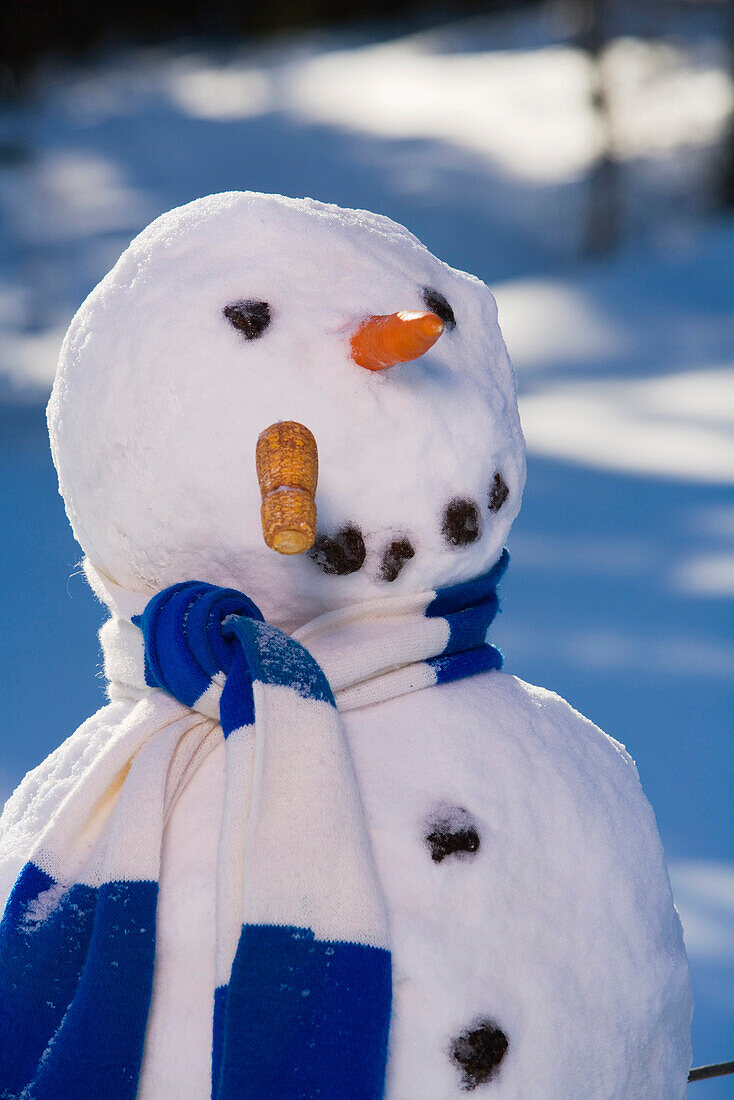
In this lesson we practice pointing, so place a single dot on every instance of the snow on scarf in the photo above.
(302, 951)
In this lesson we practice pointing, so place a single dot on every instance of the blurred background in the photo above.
(578, 155)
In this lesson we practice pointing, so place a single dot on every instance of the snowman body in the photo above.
(536, 951)
(526, 892)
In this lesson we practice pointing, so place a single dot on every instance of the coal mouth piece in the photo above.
(340, 553)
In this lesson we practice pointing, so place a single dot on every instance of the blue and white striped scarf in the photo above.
(301, 1007)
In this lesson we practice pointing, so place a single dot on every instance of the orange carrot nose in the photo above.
(382, 341)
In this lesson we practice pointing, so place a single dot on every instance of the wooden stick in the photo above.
(703, 1073)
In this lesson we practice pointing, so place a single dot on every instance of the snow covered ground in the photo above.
(477, 136)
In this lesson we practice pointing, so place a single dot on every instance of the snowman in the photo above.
(317, 844)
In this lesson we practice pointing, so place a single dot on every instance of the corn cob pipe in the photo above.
(287, 465)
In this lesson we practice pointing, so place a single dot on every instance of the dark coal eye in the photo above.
(249, 316)
(437, 304)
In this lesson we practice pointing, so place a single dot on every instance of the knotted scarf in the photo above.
(303, 968)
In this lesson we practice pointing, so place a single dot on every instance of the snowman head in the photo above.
(238, 311)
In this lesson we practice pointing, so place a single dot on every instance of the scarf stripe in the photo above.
(304, 1018)
(75, 1026)
(301, 1004)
